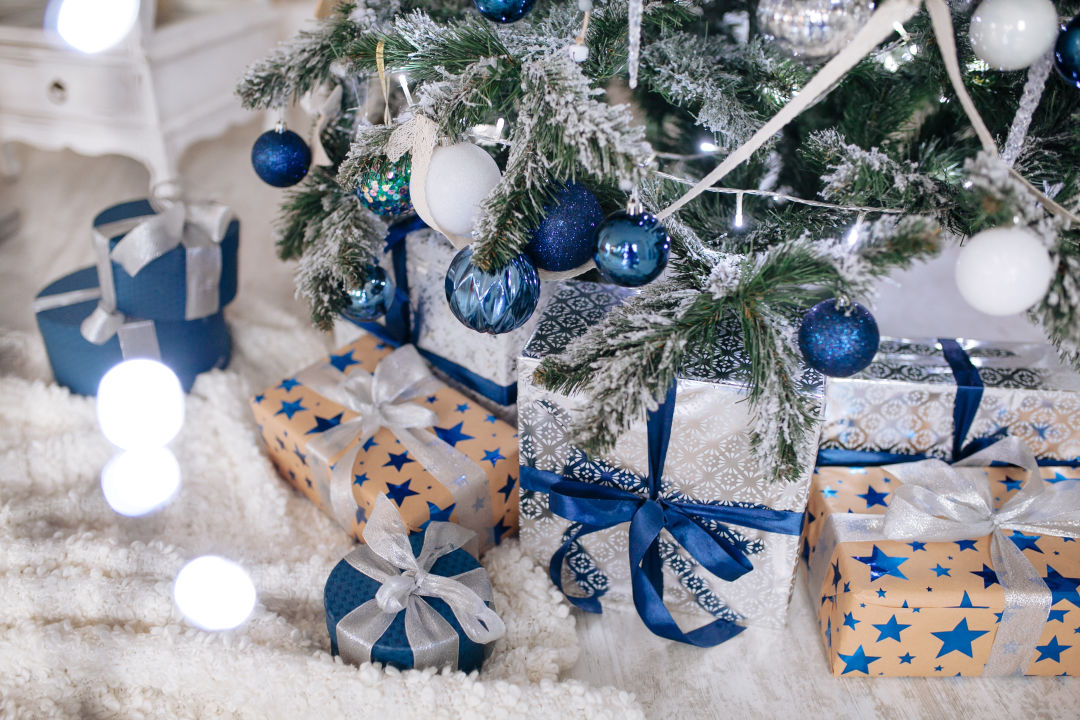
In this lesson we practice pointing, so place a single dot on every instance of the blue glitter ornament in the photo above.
(371, 298)
(631, 250)
(1067, 52)
(504, 11)
(280, 157)
(566, 238)
(385, 190)
(838, 341)
(495, 302)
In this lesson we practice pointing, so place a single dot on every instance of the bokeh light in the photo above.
(137, 482)
(140, 404)
(214, 593)
(92, 26)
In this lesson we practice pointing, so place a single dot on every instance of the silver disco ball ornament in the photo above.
(812, 30)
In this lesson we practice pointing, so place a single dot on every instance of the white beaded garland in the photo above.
(1013, 34)
(1003, 271)
(459, 177)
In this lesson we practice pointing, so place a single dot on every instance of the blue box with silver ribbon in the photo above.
(81, 349)
(411, 601)
(167, 260)
(485, 365)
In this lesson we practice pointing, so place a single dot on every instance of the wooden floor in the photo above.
(760, 674)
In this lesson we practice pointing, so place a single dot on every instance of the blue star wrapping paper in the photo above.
(294, 414)
(939, 398)
(921, 608)
(709, 464)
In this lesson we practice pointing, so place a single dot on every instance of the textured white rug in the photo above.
(88, 626)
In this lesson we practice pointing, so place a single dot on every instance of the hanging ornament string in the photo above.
(1033, 90)
(384, 82)
(633, 18)
(878, 28)
(584, 28)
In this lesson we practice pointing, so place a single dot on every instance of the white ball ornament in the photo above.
(140, 404)
(459, 177)
(1013, 34)
(1003, 271)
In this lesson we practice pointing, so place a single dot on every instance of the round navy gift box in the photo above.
(159, 290)
(189, 347)
(347, 589)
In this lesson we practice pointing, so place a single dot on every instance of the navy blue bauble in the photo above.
(495, 302)
(281, 157)
(838, 341)
(566, 239)
(371, 298)
(504, 11)
(1067, 52)
(631, 250)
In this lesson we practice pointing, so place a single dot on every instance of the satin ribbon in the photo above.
(325, 104)
(198, 227)
(387, 557)
(398, 327)
(137, 338)
(597, 507)
(384, 399)
(938, 502)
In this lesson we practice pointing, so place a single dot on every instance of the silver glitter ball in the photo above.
(813, 30)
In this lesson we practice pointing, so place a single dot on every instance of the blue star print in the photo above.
(288, 384)
(857, 661)
(1025, 542)
(1061, 587)
(398, 493)
(941, 570)
(291, 408)
(916, 545)
(398, 460)
(437, 515)
(508, 487)
(890, 630)
(989, 577)
(1051, 651)
(1057, 615)
(499, 530)
(836, 577)
(302, 456)
(882, 564)
(958, 639)
(361, 516)
(880, 592)
(1058, 477)
(493, 456)
(343, 361)
(323, 424)
(259, 399)
(906, 658)
(462, 407)
(360, 479)
(966, 544)
(873, 497)
(369, 443)
(965, 602)
(431, 399)
(1011, 484)
(490, 419)
(452, 436)
(828, 492)
(850, 621)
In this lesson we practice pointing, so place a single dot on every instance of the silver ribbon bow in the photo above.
(939, 502)
(199, 227)
(138, 338)
(387, 558)
(384, 399)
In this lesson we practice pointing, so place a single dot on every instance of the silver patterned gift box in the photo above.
(709, 461)
(942, 397)
(490, 359)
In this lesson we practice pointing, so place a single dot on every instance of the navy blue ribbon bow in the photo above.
(597, 507)
(400, 327)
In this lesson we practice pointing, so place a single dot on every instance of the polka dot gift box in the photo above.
(369, 420)
(910, 578)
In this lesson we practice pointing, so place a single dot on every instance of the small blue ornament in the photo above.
(631, 250)
(838, 341)
(504, 11)
(566, 238)
(495, 302)
(280, 157)
(1067, 52)
(372, 298)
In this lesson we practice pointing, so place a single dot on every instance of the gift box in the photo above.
(729, 546)
(484, 364)
(167, 262)
(945, 398)
(411, 601)
(65, 310)
(369, 420)
(910, 577)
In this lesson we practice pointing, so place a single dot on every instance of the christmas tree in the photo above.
(638, 102)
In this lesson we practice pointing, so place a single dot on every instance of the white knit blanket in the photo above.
(88, 626)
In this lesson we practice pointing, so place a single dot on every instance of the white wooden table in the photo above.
(759, 674)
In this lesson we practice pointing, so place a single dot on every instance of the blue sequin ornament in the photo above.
(566, 238)
(385, 190)
(280, 157)
(631, 250)
(838, 341)
(371, 298)
(495, 302)
(504, 11)
(1067, 52)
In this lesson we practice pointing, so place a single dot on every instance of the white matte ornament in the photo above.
(459, 177)
(1003, 271)
(578, 53)
(1013, 34)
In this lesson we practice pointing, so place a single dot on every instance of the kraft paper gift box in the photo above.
(709, 470)
(485, 365)
(943, 398)
(369, 420)
(925, 607)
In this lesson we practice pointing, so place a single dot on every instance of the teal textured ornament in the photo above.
(385, 189)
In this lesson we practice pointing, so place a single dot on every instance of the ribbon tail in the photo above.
(1027, 606)
(481, 624)
(590, 603)
(432, 639)
(360, 629)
